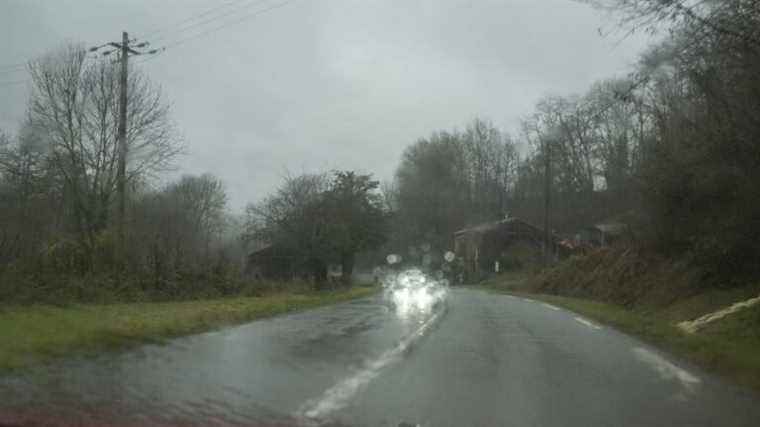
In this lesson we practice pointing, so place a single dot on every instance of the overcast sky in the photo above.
(320, 84)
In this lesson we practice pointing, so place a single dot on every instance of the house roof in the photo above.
(480, 228)
(489, 226)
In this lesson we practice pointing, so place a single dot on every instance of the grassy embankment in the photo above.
(647, 297)
(33, 334)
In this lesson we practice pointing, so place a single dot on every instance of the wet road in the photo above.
(478, 360)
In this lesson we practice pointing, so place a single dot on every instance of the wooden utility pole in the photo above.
(547, 198)
(124, 50)
(121, 172)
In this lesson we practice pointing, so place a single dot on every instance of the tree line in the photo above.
(318, 220)
(670, 149)
(58, 187)
(451, 179)
(60, 231)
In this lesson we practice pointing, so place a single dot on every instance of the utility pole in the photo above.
(121, 172)
(547, 198)
(125, 50)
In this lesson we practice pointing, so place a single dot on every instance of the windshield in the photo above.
(380, 213)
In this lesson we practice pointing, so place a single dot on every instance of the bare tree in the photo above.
(452, 179)
(74, 105)
(203, 200)
(176, 229)
(27, 197)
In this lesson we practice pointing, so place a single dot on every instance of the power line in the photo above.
(11, 67)
(23, 65)
(216, 18)
(159, 30)
(180, 27)
(228, 24)
(212, 30)
(13, 83)
(18, 70)
(150, 57)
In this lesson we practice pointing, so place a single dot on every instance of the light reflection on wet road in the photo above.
(480, 359)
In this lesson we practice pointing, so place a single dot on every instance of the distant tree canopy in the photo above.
(700, 101)
(452, 179)
(58, 191)
(177, 231)
(320, 219)
(593, 146)
(671, 148)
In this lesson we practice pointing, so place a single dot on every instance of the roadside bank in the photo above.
(653, 299)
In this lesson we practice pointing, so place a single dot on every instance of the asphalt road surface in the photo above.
(476, 360)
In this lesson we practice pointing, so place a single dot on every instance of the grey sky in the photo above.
(319, 84)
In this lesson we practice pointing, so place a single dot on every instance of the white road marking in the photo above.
(667, 370)
(587, 323)
(338, 396)
(555, 308)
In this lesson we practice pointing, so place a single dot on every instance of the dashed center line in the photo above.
(587, 323)
(550, 306)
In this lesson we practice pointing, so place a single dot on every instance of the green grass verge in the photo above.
(730, 347)
(33, 334)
